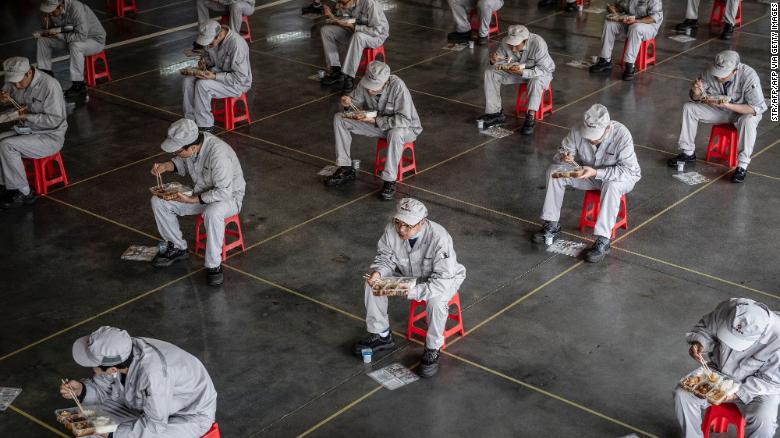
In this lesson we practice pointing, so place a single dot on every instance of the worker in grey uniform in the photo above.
(413, 246)
(460, 11)
(40, 131)
(729, 18)
(87, 38)
(740, 83)
(396, 121)
(647, 18)
(218, 193)
(369, 30)
(150, 387)
(224, 72)
(521, 58)
(605, 150)
(235, 9)
(740, 338)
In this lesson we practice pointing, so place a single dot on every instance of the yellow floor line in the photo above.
(101, 217)
(284, 58)
(287, 148)
(37, 421)
(89, 178)
(340, 411)
(136, 102)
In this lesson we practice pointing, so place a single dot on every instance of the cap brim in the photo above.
(170, 145)
(512, 40)
(205, 40)
(732, 341)
(720, 73)
(369, 84)
(14, 77)
(409, 219)
(48, 9)
(592, 133)
(81, 353)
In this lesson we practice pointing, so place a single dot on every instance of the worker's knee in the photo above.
(690, 109)
(683, 398)
(76, 49)
(492, 75)
(747, 120)
(763, 421)
(158, 204)
(395, 136)
(214, 213)
(202, 86)
(613, 189)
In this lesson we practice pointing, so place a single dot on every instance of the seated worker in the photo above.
(740, 83)
(87, 38)
(740, 338)
(223, 71)
(605, 150)
(152, 388)
(314, 8)
(460, 12)
(235, 9)
(218, 193)
(396, 120)
(370, 30)
(648, 15)
(729, 18)
(40, 131)
(571, 5)
(521, 58)
(413, 246)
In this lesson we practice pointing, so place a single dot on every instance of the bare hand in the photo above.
(22, 112)
(695, 351)
(202, 64)
(516, 69)
(160, 168)
(629, 21)
(371, 120)
(612, 9)
(4, 97)
(181, 197)
(50, 34)
(567, 158)
(205, 74)
(326, 11)
(346, 101)
(373, 278)
(587, 172)
(76, 386)
(697, 87)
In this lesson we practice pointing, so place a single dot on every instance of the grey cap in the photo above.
(106, 346)
(410, 211)
(377, 73)
(725, 63)
(47, 6)
(207, 32)
(596, 120)
(516, 35)
(745, 324)
(182, 132)
(15, 68)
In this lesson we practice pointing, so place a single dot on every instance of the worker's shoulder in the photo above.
(395, 82)
(749, 73)
(48, 82)
(217, 146)
(439, 232)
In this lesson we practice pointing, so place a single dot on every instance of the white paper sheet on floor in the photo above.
(140, 253)
(691, 178)
(579, 63)
(454, 47)
(394, 376)
(682, 38)
(327, 170)
(566, 247)
(595, 10)
(7, 396)
(497, 132)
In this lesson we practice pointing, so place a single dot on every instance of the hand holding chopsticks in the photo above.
(69, 390)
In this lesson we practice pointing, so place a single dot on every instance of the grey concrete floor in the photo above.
(554, 347)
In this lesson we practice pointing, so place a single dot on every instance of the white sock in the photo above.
(385, 333)
(25, 190)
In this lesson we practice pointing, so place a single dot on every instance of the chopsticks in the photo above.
(73, 394)
(159, 180)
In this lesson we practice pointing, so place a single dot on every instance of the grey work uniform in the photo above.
(538, 73)
(617, 170)
(460, 10)
(729, 15)
(371, 31)
(235, 9)
(396, 120)
(757, 369)
(47, 118)
(636, 32)
(230, 60)
(433, 261)
(219, 183)
(87, 38)
(167, 393)
(743, 88)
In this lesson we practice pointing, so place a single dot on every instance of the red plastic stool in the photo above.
(92, 74)
(545, 106)
(227, 114)
(119, 7)
(645, 57)
(723, 143)
(718, 418)
(407, 164)
(245, 34)
(590, 212)
(369, 55)
(213, 432)
(578, 2)
(474, 20)
(200, 237)
(412, 329)
(42, 172)
(719, 9)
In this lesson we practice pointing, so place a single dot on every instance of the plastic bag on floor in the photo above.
(140, 253)
(7, 396)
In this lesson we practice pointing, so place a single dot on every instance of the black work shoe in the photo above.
(481, 41)
(545, 3)
(349, 85)
(493, 119)
(77, 92)
(388, 191)
(375, 342)
(687, 24)
(728, 31)
(682, 156)
(312, 9)
(214, 276)
(335, 77)
(429, 365)
(598, 251)
(170, 256)
(602, 65)
(342, 175)
(628, 71)
(459, 37)
(570, 7)
(739, 175)
(15, 199)
(548, 229)
(528, 125)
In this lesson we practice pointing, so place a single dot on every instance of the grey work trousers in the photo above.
(344, 127)
(760, 414)
(611, 191)
(635, 34)
(333, 35)
(747, 127)
(77, 50)
(236, 11)
(494, 79)
(214, 215)
(729, 15)
(13, 147)
(197, 98)
(485, 8)
(191, 426)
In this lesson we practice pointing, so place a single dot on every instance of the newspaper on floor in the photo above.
(682, 38)
(566, 247)
(394, 376)
(595, 10)
(579, 63)
(328, 170)
(497, 132)
(454, 47)
(314, 77)
(140, 253)
(691, 178)
(7, 396)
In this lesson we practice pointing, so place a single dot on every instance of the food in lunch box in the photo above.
(691, 381)
(702, 389)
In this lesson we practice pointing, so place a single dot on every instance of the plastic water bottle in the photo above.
(480, 124)
(367, 353)
(162, 246)
(471, 44)
(680, 166)
(356, 164)
(548, 239)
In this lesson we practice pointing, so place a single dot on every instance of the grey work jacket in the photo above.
(432, 260)
(215, 170)
(757, 369)
(614, 159)
(644, 8)
(45, 103)
(394, 105)
(534, 55)
(369, 18)
(745, 88)
(163, 381)
(86, 25)
(231, 57)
